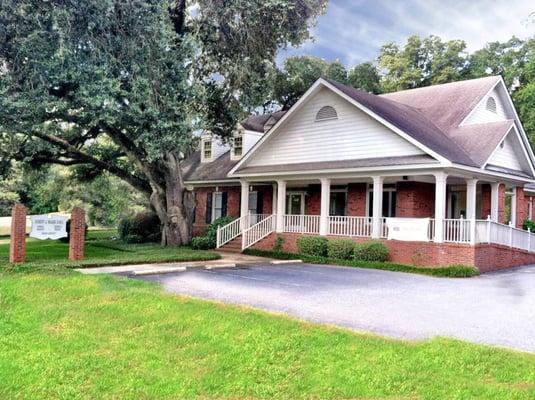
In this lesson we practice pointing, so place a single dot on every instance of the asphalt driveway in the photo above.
(496, 309)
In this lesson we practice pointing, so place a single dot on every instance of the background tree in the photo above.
(365, 77)
(299, 73)
(422, 62)
(120, 86)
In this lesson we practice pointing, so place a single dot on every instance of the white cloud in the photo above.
(355, 30)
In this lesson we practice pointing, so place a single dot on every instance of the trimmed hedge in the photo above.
(454, 271)
(313, 245)
(340, 248)
(371, 251)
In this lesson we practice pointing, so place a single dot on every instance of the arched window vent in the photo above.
(325, 113)
(491, 104)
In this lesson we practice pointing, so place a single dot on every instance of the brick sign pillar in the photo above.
(17, 244)
(77, 234)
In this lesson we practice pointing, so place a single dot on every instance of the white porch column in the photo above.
(440, 205)
(471, 191)
(281, 205)
(244, 204)
(377, 209)
(494, 200)
(325, 199)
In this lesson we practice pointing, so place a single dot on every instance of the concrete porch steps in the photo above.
(234, 246)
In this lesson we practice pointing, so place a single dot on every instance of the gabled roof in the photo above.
(411, 121)
(256, 123)
(217, 170)
(448, 104)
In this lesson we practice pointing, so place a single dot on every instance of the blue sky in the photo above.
(354, 30)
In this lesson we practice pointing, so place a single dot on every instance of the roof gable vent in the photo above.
(326, 112)
(491, 104)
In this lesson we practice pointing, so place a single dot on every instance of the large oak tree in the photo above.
(122, 85)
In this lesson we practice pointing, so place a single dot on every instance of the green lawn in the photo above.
(101, 248)
(70, 336)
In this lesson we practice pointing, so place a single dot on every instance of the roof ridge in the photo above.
(420, 88)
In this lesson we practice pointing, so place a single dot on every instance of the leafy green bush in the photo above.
(529, 224)
(312, 245)
(203, 243)
(371, 251)
(340, 248)
(209, 241)
(279, 242)
(141, 228)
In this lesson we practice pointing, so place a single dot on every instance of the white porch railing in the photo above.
(302, 224)
(488, 231)
(457, 230)
(350, 226)
(231, 231)
(258, 231)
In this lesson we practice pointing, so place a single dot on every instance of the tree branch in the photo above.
(74, 153)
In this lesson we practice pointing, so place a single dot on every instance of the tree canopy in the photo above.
(121, 86)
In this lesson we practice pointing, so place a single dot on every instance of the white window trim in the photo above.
(233, 155)
(203, 141)
(214, 194)
(370, 191)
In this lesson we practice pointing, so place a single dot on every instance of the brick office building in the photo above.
(342, 162)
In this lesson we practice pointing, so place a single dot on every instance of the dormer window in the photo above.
(237, 147)
(326, 113)
(207, 149)
(491, 104)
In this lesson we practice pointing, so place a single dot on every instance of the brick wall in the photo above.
(17, 244)
(313, 200)
(356, 199)
(415, 199)
(501, 203)
(485, 257)
(77, 234)
(485, 200)
(521, 207)
(233, 203)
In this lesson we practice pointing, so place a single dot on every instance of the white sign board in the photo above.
(48, 227)
(409, 229)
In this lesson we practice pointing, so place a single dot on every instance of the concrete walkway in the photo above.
(227, 260)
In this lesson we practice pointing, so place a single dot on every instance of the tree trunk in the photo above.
(174, 205)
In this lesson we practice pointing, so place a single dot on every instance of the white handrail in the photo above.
(258, 231)
(234, 229)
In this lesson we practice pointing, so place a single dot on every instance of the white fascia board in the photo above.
(399, 170)
(393, 128)
(445, 162)
(275, 127)
(497, 176)
(480, 102)
(522, 144)
(230, 182)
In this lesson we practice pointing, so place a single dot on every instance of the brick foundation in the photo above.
(485, 257)
(77, 235)
(17, 243)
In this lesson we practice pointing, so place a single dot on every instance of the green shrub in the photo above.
(340, 248)
(203, 243)
(529, 224)
(209, 241)
(141, 228)
(312, 245)
(371, 251)
(279, 242)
